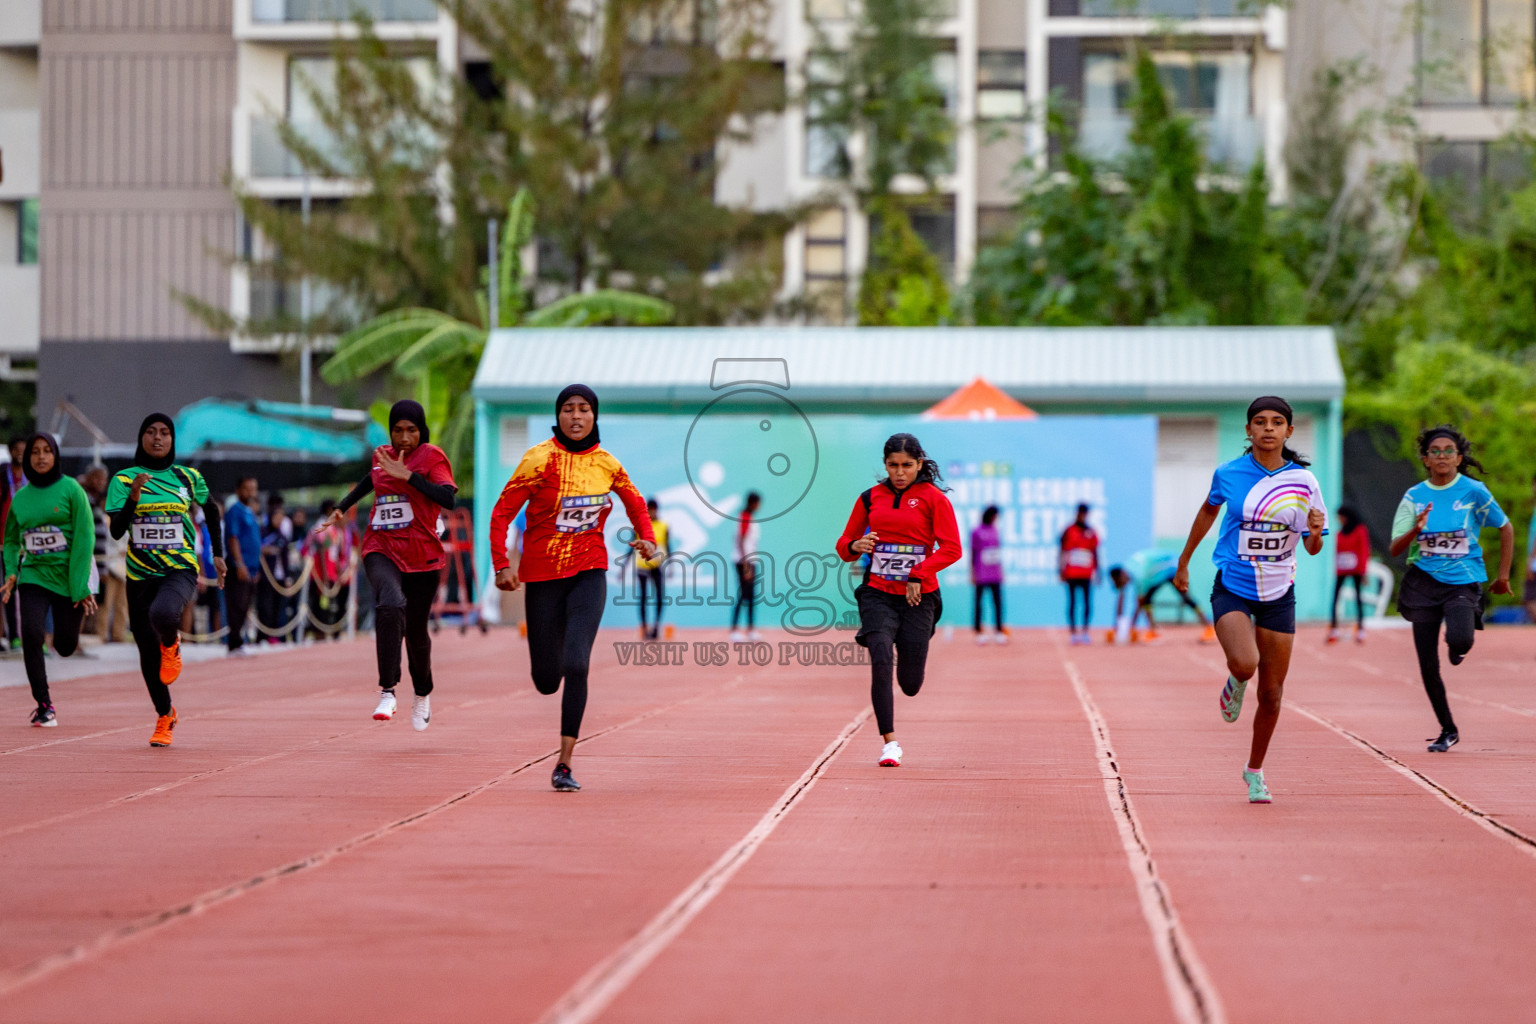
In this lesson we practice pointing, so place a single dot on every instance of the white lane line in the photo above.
(598, 988)
(1190, 990)
(13, 980)
(1522, 842)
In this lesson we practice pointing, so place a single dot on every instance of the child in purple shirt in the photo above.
(987, 572)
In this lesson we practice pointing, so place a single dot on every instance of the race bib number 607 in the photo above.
(580, 513)
(1265, 541)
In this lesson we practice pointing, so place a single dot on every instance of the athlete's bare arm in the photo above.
(1197, 531)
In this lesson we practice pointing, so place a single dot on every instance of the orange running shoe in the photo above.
(164, 726)
(1209, 636)
(170, 663)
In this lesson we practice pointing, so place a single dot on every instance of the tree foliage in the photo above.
(902, 285)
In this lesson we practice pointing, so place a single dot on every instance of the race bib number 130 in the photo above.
(580, 513)
(895, 562)
(1265, 541)
(44, 540)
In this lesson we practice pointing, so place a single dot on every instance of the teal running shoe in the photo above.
(1232, 698)
(1258, 792)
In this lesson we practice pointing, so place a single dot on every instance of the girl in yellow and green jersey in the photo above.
(50, 539)
(152, 501)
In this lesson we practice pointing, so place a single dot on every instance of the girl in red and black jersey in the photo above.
(907, 528)
(403, 552)
(1078, 566)
(1351, 559)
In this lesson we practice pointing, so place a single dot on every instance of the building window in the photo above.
(26, 231)
(1154, 8)
(1471, 167)
(825, 136)
(935, 225)
(1214, 87)
(1477, 52)
(826, 262)
(1000, 85)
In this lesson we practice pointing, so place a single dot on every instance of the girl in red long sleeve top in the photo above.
(907, 528)
(565, 482)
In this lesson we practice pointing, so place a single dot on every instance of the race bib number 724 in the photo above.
(895, 562)
(1265, 541)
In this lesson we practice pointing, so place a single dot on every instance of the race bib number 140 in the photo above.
(580, 513)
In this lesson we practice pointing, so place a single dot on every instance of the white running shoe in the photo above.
(1000, 638)
(421, 713)
(738, 637)
(982, 639)
(386, 709)
(890, 755)
(754, 635)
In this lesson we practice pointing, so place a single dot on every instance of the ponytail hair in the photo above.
(1463, 446)
(908, 444)
(1274, 403)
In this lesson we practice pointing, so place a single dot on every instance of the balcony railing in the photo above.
(1230, 142)
(268, 12)
(270, 158)
(330, 309)
(1170, 8)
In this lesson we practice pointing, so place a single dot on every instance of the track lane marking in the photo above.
(16, 979)
(1194, 997)
(601, 985)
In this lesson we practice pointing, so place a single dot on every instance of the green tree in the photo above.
(609, 115)
(1140, 239)
(439, 352)
(902, 285)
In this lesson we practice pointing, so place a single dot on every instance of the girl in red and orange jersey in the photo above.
(565, 482)
(402, 552)
(907, 528)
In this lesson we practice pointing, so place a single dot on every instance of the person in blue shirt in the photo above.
(244, 533)
(1437, 523)
(1140, 578)
(1273, 503)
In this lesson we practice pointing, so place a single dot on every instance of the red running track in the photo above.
(1069, 840)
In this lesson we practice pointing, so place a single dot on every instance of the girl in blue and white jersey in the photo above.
(1437, 523)
(1273, 502)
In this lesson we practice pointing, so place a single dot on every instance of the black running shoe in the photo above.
(1447, 740)
(44, 717)
(561, 779)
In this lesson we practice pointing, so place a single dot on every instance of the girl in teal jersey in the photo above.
(1437, 523)
(50, 539)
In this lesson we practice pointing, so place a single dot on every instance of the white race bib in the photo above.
(992, 556)
(1348, 561)
(1080, 558)
(895, 562)
(1265, 541)
(392, 512)
(1449, 544)
(580, 513)
(159, 533)
(44, 540)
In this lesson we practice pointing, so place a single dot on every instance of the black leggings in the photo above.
(897, 636)
(154, 615)
(1338, 588)
(996, 590)
(402, 607)
(647, 578)
(746, 597)
(36, 603)
(1075, 587)
(563, 616)
(1460, 623)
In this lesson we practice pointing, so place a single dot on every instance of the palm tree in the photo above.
(439, 353)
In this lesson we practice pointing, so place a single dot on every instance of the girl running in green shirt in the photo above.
(50, 540)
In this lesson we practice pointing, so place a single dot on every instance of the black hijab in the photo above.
(591, 440)
(142, 457)
(35, 478)
(405, 409)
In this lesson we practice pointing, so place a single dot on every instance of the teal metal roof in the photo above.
(917, 364)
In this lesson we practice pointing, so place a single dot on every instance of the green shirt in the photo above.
(50, 535)
(163, 533)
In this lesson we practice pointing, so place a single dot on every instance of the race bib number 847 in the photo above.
(1447, 544)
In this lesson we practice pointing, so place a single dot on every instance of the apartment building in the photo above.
(20, 32)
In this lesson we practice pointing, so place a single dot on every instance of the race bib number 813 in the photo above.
(392, 512)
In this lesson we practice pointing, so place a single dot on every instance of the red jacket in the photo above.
(1079, 552)
(1352, 551)
(916, 535)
